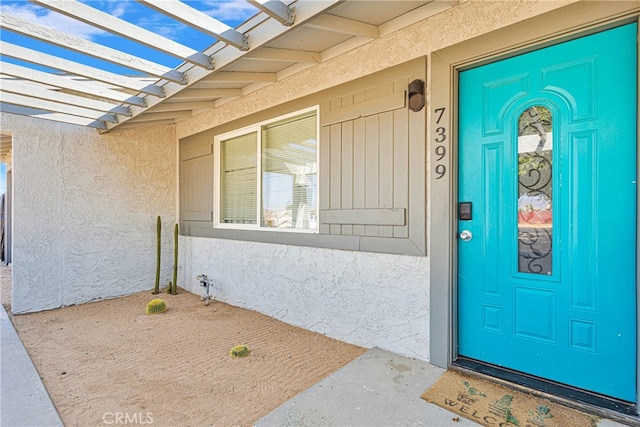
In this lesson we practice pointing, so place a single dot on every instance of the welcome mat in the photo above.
(492, 404)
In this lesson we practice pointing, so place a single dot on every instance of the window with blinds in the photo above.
(269, 175)
(238, 180)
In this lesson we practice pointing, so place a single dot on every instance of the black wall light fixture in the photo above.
(416, 95)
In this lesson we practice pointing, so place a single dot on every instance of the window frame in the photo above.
(257, 128)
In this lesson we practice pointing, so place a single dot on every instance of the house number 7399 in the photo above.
(440, 150)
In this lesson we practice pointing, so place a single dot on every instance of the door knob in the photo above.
(466, 235)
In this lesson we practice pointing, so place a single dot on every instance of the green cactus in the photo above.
(174, 289)
(240, 351)
(156, 289)
(156, 306)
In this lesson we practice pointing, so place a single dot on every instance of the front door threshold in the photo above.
(593, 403)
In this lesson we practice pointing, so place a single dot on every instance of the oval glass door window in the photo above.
(535, 192)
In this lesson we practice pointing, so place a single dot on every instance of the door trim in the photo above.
(564, 24)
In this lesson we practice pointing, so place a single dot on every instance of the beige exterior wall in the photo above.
(85, 208)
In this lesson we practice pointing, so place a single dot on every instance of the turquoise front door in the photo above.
(547, 214)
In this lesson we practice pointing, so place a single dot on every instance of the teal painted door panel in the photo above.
(547, 156)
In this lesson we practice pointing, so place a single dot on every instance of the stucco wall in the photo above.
(85, 208)
(362, 298)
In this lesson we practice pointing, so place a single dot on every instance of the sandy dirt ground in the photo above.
(108, 360)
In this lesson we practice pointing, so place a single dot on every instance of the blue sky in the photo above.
(3, 178)
(231, 12)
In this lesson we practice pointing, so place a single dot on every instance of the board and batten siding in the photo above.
(196, 182)
(372, 169)
(364, 156)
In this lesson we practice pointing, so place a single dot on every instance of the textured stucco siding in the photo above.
(85, 208)
(365, 299)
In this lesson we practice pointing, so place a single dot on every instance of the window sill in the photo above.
(388, 245)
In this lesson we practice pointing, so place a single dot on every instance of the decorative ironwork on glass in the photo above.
(535, 195)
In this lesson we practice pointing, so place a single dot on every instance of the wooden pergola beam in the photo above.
(275, 9)
(48, 35)
(36, 57)
(55, 107)
(73, 85)
(99, 19)
(46, 115)
(51, 95)
(196, 19)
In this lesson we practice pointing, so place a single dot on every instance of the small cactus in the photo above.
(156, 289)
(240, 351)
(156, 306)
(174, 289)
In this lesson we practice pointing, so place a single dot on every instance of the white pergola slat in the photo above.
(85, 95)
(56, 117)
(193, 17)
(277, 19)
(55, 107)
(275, 9)
(20, 26)
(102, 20)
(72, 85)
(92, 73)
(51, 95)
(260, 32)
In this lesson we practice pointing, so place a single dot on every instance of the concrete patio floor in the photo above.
(379, 388)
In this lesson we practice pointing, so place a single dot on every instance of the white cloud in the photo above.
(229, 11)
(159, 24)
(116, 8)
(119, 9)
(49, 19)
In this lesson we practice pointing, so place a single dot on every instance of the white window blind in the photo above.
(239, 179)
(268, 175)
(290, 173)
